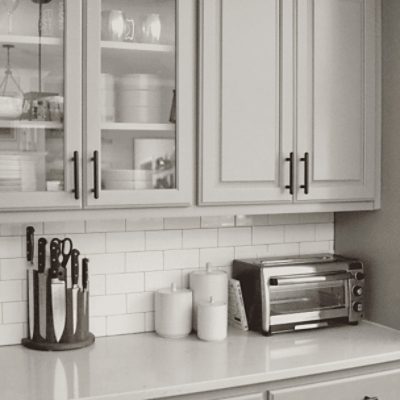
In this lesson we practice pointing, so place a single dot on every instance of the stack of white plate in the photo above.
(127, 179)
(18, 172)
(139, 98)
(107, 90)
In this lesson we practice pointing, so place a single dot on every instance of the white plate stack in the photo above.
(139, 99)
(107, 89)
(127, 179)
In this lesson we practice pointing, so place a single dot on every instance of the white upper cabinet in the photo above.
(140, 103)
(242, 148)
(40, 104)
(337, 117)
(289, 77)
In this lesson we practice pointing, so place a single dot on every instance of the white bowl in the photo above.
(10, 107)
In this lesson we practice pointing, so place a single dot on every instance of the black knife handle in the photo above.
(95, 160)
(30, 243)
(75, 266)
(85, 273)
(290, 159)
(56, 271)
(42, 255)
(306, 160)
(75, 160)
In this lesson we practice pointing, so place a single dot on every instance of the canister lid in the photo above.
(174, 291)
(209, 271)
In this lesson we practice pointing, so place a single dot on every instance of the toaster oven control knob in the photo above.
(359, 276)
(357, 306)
(357, 291)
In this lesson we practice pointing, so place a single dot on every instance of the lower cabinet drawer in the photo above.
(377, 386)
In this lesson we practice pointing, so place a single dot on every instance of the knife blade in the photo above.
(85, 288)
(42, 286)
(58, 290)
(75, 288)
(30, 249)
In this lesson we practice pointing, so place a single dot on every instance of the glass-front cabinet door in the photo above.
(139, 80)
(40, 103)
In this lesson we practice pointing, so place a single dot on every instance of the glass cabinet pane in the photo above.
(137, 90)
(31, 96)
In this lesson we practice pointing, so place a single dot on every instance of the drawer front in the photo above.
(257, 396)
(379, 386)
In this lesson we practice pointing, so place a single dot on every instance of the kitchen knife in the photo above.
(42, 286)
(30, 248)
(85, 288)
(58, 290)
(75, 288)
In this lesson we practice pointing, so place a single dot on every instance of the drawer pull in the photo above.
(370, 398)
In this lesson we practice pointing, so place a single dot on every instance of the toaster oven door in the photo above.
(307, 301)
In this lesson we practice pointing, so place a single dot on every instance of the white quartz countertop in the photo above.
(146, 366)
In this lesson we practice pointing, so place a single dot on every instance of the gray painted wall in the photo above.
(375, 236)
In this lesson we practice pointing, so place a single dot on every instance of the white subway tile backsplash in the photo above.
(234, 236)
(140, 302)
(315, 247)
(124, 324)
(97, 326)
(11, 334)
(11, 247)
(124, 241)
(299, 233)
(144, 261)
(112, 225)
(199, 238)
(125, 283)
(107, 263)
(251, 251)
(12, 268)
(324, 232)
(97, 285)
(130, 259)
(218, 222)
(268, 234)
(149, 322)
(90, 243)
(107, 305)
(182, 223)
(164, 240)
(14, 312)
(218, 257)
(144, 224)
(64, 227)
(179, 259)
(10, 291)
(162, 279)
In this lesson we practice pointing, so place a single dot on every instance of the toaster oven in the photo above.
(282, 294)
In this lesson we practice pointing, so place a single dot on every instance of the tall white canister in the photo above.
(173, 312)
(206, 284)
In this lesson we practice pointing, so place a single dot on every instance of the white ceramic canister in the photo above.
(205, 284)
(212, 320)
(173, 312)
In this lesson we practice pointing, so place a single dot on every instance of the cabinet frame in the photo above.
(12, 201)
(185, 106)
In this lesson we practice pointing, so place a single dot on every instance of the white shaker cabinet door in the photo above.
(337, 99)
(242, 149)
(380, 386)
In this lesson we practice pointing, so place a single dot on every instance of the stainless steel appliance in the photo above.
(289, 294)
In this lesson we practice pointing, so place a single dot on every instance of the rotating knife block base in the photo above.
(69, 340)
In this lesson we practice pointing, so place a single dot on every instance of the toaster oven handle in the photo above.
(292, 280)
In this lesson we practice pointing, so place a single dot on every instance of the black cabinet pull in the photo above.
(306, 160)
(371, 398)
(95, 160)
(76, 190)
(290, 159)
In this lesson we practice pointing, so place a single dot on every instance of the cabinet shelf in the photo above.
(137, 47)
(142, 131)
(30, 40)
(30, 124)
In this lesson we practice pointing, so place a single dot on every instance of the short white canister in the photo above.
(208, 283)
(212, 320)
(173, 312)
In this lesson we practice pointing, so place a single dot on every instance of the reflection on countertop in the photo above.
(148, 366)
